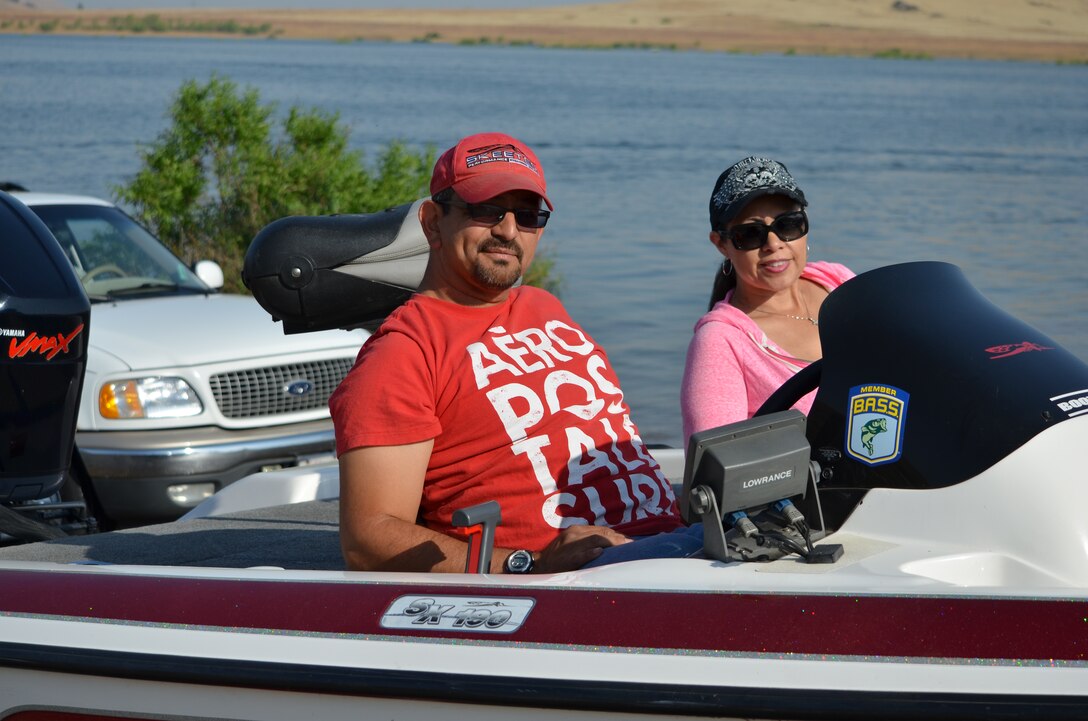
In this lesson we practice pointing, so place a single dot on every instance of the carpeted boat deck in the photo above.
(296, 536)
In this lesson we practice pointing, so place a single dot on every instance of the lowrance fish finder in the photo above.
(739, 480)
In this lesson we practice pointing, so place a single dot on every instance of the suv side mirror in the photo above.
(210, 272)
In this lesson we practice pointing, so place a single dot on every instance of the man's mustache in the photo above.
(489, 245)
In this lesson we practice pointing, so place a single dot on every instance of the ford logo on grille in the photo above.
(298, 389)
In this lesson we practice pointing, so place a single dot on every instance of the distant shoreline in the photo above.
(634, 24)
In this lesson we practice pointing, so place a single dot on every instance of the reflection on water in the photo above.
(980, 164)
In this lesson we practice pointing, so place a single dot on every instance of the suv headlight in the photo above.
(152, 397)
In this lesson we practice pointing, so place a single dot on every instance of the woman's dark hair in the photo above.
(725, 280)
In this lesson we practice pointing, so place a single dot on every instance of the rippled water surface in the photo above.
(980, 164)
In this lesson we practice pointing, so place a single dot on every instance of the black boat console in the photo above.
(924, 383)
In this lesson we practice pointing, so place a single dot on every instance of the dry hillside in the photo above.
(1015, 29)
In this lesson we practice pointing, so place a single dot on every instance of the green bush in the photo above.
(217, 174)
(542, 273)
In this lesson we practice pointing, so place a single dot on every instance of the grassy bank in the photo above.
(1055, 31)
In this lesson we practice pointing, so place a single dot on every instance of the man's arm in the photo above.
(380, 492)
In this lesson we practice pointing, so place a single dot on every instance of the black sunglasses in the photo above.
(749, 236)
(494, 214)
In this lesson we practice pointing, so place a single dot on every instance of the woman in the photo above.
(762, 325)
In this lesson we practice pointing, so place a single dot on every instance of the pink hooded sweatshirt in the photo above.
(732, 366)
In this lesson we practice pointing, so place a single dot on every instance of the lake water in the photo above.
(980, 164)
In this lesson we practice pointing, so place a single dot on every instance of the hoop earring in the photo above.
(727, 268)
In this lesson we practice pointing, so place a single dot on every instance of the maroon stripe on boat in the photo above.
(831, 625)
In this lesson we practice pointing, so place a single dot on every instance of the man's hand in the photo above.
(576, 546)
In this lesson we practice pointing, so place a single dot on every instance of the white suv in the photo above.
(187, 389)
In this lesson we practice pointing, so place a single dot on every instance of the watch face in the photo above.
(519, 562)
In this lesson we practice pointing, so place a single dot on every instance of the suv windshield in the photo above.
(113, 255)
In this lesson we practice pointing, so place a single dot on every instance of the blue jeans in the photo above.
(684, 542)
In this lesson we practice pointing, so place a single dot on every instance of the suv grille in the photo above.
(265, 391)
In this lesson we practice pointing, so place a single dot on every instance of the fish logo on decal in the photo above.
(875, 423)
(871, 430)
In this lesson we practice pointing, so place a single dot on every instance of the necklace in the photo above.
(809, 318)
(806, 316)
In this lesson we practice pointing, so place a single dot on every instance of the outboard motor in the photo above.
(924, 384)
(44, 322)
(337, 271)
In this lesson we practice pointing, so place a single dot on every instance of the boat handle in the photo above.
(481, 521)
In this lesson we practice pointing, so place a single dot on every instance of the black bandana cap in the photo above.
(748, 179)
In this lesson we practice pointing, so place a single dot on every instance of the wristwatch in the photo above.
(520, 561)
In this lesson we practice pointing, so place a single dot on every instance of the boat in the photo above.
(916, 547)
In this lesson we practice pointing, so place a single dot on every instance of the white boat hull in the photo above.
(898, 628)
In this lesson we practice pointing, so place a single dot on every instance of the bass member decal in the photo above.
(876, 420)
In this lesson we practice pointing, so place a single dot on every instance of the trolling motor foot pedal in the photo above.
(827, 553)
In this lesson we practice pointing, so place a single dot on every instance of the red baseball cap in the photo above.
(484, 165)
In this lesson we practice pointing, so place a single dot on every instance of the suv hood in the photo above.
(183, 331)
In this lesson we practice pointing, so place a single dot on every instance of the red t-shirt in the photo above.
(524, 409)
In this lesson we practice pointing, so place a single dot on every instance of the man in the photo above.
(478, 389)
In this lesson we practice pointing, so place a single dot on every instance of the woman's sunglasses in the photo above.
(749, 236)
(493, 214)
